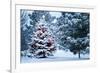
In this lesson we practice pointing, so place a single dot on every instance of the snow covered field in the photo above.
(59, 55)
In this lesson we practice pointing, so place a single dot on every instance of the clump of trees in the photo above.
(70, 30)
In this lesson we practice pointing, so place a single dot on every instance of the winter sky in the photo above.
(56, 14)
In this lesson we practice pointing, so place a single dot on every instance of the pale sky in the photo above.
(56, 14)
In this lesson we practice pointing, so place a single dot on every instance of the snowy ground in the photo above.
(59, 55)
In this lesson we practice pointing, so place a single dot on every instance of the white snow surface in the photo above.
(59, 55)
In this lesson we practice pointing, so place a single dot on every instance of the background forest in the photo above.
(44, 33)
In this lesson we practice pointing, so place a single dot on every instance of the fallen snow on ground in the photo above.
(59, 55)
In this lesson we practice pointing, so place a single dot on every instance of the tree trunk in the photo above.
(79, 55)
(44, 54)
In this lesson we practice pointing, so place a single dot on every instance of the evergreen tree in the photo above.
(81, 30)
(42, 44)
(23, 16)
(73, 31)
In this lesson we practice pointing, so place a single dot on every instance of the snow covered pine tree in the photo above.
(42, 44)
